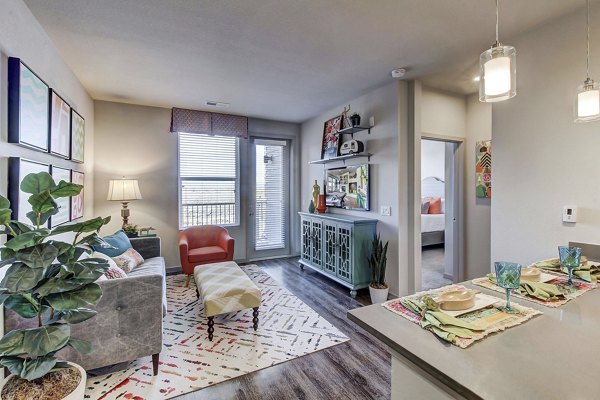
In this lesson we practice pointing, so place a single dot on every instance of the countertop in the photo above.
(552, 356)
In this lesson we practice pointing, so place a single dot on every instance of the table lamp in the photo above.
(124, 190)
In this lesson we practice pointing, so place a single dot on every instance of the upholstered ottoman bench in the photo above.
(225, 288)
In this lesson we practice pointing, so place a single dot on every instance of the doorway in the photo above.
(269, 200)
(441, 185)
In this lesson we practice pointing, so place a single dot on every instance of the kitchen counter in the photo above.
(552, 356)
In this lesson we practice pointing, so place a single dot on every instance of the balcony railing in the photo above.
(208, 214)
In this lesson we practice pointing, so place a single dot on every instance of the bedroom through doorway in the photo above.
(438, 216)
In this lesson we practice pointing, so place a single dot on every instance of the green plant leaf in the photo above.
(20, 305)
(22, 241)
(28, 368)
(95, 240)
(61, 247)
(38, 256)
(6, 253)
(46, 339)
(65, 189)
(57, 285)
(21, 227)
(82, 346)
(5, 215)
(20, 278)
(42, 202)
(81, 227)
(8, 261)
(88, 295)
(37, 183)
(43, 217)
(11, 344)
(4, 203)
(77, 315)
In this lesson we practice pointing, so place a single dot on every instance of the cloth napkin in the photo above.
(441, 324)
(539, 290)
(589, 273)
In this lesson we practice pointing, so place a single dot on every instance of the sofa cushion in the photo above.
(153, 266)
(208, 253)
(119, 240)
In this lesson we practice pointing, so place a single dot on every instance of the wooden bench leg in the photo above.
(155, 359)
(211, 328)
(255, 317)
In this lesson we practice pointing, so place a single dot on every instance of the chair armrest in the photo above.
(228, 243)
(148, 247)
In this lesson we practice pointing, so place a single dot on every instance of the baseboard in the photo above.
(449, 277)
(174, 270)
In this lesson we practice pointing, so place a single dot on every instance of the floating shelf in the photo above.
(342, 158)
(353, 129)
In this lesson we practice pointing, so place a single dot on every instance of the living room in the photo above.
(284, 136)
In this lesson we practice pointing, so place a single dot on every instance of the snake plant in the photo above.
(377, 263)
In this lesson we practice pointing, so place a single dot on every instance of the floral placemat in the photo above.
(568, 292)
(488, 320)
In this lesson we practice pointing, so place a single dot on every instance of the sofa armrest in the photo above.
(148, 247)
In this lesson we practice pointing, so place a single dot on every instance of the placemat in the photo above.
(589, 272)
(491, 319)
(569, 292)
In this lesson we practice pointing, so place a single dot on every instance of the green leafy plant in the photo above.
(47, 279)
(130, 230)
(377, 263)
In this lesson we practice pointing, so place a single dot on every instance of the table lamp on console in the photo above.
(124, 190)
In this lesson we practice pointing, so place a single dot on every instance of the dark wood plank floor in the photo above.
(358, 369)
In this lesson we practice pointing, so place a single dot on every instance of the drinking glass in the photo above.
(508, 276)
(570, 257)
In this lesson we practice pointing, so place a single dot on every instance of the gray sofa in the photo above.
(129, 320)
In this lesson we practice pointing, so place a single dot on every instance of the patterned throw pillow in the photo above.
(113, 272)
(129, 260)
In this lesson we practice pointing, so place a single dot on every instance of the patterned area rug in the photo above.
(189, 361)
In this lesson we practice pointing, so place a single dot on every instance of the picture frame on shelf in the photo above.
(77, 137)
(331, 142)
(28, 107)
(64, 203)
(19, 168)
(60, 126)
(77, 202)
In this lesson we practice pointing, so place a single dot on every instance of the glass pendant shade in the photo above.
(498, 74)
(587, 102)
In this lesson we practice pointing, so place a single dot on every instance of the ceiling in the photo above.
(279, 59)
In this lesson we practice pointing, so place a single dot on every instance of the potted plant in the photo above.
(355, 119)
(49, 281)
(130, 230)
(378, 288)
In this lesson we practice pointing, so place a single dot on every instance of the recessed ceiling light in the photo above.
(398, 73)
(217, 104)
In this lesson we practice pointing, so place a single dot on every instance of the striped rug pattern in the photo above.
(189, 361)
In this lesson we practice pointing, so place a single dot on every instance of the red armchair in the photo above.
(204, 245)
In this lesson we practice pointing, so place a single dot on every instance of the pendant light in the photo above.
(497, 71)
(587, 102)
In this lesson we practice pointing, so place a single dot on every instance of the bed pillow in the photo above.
(424, 207)
(119, 240)
(435, 206)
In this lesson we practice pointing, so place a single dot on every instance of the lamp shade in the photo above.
(587, 102)
(498, 74)
(124, 190)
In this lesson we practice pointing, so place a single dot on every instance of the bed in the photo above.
(432, 225)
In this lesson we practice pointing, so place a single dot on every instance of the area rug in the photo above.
(189, 361)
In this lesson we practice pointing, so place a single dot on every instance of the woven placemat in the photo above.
(493, 319)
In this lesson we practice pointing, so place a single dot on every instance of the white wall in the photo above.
(383, 104)
(443, 113)
(433, 155)
(542, 160)
(135, 141)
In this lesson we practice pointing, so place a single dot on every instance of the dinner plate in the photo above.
(481, 301)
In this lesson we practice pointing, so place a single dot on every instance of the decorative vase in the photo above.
(311, 207)
(77, 394)
(355, 120)
(315, 193)
(321, 206)
(378, 295)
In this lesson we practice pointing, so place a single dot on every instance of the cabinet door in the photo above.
(317, 243)
(306, 251)
(331, 247)
(344, 254)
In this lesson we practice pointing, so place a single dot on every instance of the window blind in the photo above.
(208, 180)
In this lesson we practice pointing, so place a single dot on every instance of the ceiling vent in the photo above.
(216, 104)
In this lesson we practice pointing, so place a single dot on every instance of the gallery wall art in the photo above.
(331, 141)
(28, 101)
(77, 201)
(19, 168)
(77, 137)
(60, 126)
(483, 169)
(64, 203)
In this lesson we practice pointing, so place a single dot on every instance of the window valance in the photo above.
(203, 122)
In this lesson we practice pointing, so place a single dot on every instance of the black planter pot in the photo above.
(355, 120)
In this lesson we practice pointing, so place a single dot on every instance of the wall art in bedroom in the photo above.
(77, 136)
(28, 99)
(483, 169)
(60, 126)
(77, 201)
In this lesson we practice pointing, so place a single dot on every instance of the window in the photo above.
(208, 180)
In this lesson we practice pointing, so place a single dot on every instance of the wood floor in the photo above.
(358, 369)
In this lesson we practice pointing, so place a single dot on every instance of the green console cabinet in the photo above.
(338, 246)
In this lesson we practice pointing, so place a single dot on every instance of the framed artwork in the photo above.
(64, 203)
(28, 101)
(60, 126)
(331, 141)
(77, 201)
(483, 169)
(77, 136)
(19, 168)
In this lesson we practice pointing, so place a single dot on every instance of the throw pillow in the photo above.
(129, 260)
(435, 206)
(118, 240)
(115, 272)
(424, 207)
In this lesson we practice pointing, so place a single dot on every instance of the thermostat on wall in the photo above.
(570, 214)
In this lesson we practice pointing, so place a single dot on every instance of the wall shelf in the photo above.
(342, 158)
(353, 129)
